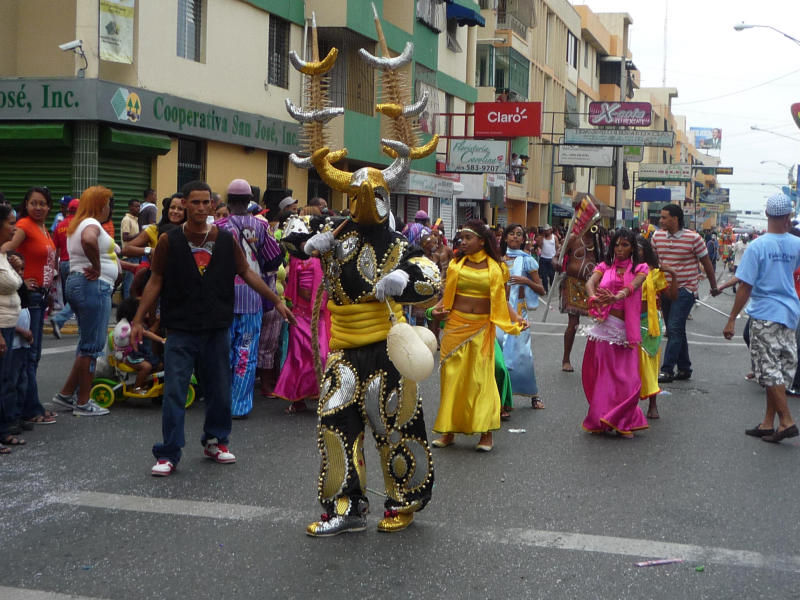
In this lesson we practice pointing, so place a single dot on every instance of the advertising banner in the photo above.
(707, 138)
(619, 137)
(621, 114)
(665, 172)
(586, 156)
(478, 156)
(116, 30)
(507, 119)
(633, 154)
(716, 196)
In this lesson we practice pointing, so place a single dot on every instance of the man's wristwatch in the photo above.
(147, 251)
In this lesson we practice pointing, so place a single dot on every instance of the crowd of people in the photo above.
(265, 322)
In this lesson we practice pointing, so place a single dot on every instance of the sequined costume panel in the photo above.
(361, 385)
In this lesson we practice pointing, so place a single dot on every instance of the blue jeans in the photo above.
(8, 393)
(66, 313)
(91, 301)
(207, 353)
(31, 407)
(675, 315)
(127, 278)
(546, 272)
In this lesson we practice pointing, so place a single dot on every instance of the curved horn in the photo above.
(393, 111)
(322, 115)
(335, 178)
(402, 163)
(314, 68)
(388, 64)
(306, 163)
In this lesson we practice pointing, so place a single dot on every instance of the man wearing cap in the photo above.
(60, 240)
(289, 204)
(263, 256)
(766, 280)
(682, 249)
(549, 249)
(414, 230)
(65, 200)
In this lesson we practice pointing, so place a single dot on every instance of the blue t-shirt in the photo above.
(768, 264)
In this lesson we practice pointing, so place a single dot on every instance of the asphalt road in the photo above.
(551, 513)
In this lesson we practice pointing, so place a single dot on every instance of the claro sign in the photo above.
(508, 119)
(628, 114)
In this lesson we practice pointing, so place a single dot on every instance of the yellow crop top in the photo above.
(473, 283)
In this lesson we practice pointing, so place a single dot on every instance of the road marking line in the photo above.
(731, 344)
(28, 594)
(58, 350)
(526, 537)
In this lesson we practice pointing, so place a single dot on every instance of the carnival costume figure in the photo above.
(369, 272)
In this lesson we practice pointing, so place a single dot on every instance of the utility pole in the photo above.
(623, 92)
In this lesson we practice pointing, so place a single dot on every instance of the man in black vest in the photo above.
(193, 270)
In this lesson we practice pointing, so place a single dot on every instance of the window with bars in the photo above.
(190, 29)
(428, 13)
(452, 36)
(276, 171)
(352, 81)
(278, 53)
(191, 159)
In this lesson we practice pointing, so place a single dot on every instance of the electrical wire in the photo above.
(758, 85)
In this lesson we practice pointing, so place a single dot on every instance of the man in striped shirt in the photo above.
(683, 250)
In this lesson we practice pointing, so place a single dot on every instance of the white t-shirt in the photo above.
(109, 265)
(549, 247)
(738, 252)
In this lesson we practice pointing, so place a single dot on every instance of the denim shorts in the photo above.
(91, 301)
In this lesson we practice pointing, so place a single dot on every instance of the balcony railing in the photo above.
(507, 20)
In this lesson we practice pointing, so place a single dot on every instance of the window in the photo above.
(487, 4)
(452, 36)
(511, 74)
(425, 81)
(586, 54)
(352, 81)
(190, 26)
(428, 13)
(191, 156)
(278, 53)
(516, 15)
(484, 66)
(276, 171)
(572, 50)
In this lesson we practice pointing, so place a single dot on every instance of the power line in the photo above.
(758, 85)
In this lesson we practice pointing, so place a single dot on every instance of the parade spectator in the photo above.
(474, 303)
(193, 272)
(172, 215)
(93, 272)
(524, 290)
(549, 249)
(148, 211)
(32, 240)
(263, 255)
(129, 229)
(18, 382)
(651, 322)
(738, 252)
(60, 240)
(610, 370)
(10, 282)
(412, 231)
(288, 204)
(222, 211)
(321, 204)
(682, 250)
(712, 245)
(766, 280)
(62, 214)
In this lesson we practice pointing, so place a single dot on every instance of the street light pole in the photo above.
(790, 176)
(757, 128)
(742, 26)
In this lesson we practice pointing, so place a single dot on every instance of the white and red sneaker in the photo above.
(218, 452)
(162, 468)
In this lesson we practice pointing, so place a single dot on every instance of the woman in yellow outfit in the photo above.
(651, 324)
(474, 303)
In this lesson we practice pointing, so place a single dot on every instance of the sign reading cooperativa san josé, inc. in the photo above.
(97, 100)
(619, 137)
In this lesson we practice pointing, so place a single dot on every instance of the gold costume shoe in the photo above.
(329, 526)
(395, 521)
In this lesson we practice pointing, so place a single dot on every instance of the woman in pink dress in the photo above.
(298, 380)
(611, 362)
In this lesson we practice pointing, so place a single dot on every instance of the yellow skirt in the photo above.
(469, 401)
(648, 371)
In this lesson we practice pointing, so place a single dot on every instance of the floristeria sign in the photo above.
(507, 119)
(629, 114)
(477, 156)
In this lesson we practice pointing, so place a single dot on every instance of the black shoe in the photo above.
(681, 375)
(779, 435)
(758, 432)
(665, 377)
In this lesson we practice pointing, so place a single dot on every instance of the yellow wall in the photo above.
(8, 34)
(399, 13)
(297, 181)
(225, 162)
(41, 25)
(164, 173)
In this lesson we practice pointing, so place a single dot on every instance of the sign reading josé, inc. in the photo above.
(508, 119)
(97, 100)
(477, 156)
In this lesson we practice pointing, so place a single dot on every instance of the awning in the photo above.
(606, 211)
(560, 210)
(126, 140)
(34, 135)
(465, 12)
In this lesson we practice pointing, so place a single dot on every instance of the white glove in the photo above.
(392, 284)
(321, 242)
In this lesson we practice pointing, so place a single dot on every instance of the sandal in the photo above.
(41, 420)
(504, 415)
(536, 403)
(296, 407)
(11, 440)
(50, 413)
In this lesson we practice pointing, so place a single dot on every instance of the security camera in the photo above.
(71, 45)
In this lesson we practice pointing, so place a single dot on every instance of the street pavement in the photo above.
(552, 512)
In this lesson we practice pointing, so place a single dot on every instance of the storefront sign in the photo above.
(665, 172)
(623, 114)
(724, 170)
(633, 153)
(508, 119)
(116, 30)
(586, 156)
(477, 156)
(96, 100)
(716, 196)
(619, 137)
(424, 184)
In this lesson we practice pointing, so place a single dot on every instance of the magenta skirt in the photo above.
(611, 381)
(297, 380)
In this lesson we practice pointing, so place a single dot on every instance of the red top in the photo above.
(60, 238)
(39, 252)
